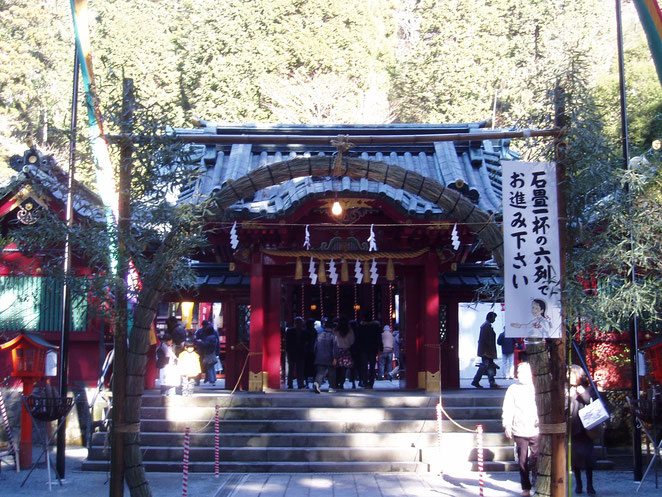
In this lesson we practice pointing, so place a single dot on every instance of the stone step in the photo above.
(274, 454)
(274, 467)
(327, 426)
(320, 413)
(493, 466)
(348, 440)
(338, 399)
(299, 431)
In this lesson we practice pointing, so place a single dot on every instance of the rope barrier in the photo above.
(479, 442)
(217, 443)
(361, 256)
(187, 443)
(13, 450)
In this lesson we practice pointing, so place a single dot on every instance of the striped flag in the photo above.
(651, 20)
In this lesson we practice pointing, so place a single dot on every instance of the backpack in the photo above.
(501, 338)
(161, 359)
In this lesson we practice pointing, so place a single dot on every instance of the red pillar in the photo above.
(25, 445)
(413, 325)
(271, 350)
(431, 322)
(258, 301)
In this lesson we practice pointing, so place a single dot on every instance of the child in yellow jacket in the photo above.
(189, 368)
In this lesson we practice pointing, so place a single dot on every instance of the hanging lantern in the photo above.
(390, 271)
(298, 269)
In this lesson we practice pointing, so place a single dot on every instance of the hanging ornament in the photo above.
(358, 274)
(298, 269)
(344, 272)
(312, 273)
(455, 239)
(234, 239)
(366, 272)
(306, 242)
(390, 270)
(333, 275)
(371, 240)
(321, 272)
(373, 272)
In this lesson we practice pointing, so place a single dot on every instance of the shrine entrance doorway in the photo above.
(356, 302)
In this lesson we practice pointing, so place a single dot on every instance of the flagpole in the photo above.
(634, 339)
(66, 289)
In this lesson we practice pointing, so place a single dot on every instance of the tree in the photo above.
(162, 234)
(36, 54)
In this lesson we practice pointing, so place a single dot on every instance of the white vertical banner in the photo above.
(532, 261)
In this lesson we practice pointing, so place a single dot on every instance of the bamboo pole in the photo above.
(364, 139)
(538, 356)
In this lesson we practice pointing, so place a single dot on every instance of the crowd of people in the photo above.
(183, 356)
(339, 350)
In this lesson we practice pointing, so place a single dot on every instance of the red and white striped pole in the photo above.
(217, 443)
(439, 428)
(187, 445)
(479, 452)
(10, 438)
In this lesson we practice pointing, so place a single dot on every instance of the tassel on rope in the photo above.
(187, 443)
(366, 272)
(479, 457)
(390, 271)
(344, 271)
(298, 269)
(321, 272)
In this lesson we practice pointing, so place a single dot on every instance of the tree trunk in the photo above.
(536, 351)
(167, 256)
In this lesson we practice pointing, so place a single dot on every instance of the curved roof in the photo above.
(470, 166)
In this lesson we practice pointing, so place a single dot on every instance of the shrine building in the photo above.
(384, 222)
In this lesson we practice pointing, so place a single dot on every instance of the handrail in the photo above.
(100, 387)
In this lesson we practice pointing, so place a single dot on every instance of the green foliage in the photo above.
(36, 56)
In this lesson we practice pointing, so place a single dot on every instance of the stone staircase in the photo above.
(350, 431)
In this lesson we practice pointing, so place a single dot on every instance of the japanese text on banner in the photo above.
(532, 268)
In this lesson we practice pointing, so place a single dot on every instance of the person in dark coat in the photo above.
(355, 372)
(208, 346)
(370, 344)
(177, 332)
(309, 349)
(326, 351)
(295, 346)
(487, 352)
(582, 456)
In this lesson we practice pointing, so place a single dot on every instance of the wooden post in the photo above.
(25, 443)
(539, 359)
(121, 316)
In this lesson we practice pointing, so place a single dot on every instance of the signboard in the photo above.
(532, 269)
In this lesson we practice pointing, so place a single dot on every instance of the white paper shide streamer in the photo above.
(333, 274)
(358, 272)
(306, 242)
(372, 241)
(312, 273)
(373, 272)
(455, 239)
(234, 239)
